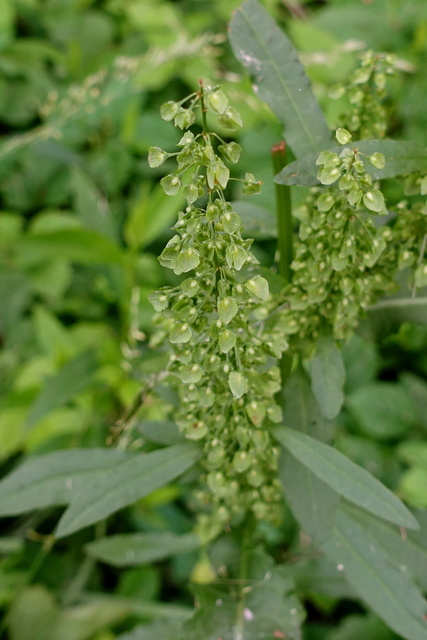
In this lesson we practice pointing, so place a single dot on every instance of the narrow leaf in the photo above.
(55, 478)
(73, 378)
(279, 77)
(345, 477)
(126, 483)
(313, 502)
(328, 377)
(380, 584)
(401, 158)
(140, 548)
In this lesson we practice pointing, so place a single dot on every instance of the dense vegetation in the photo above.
(84, 389)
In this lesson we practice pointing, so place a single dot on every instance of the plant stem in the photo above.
(284, 234)
(243, 578)
(203, 107)
(283, 213)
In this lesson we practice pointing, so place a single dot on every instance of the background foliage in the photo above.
(82, 221)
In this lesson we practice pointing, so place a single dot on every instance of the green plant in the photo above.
(248, 347)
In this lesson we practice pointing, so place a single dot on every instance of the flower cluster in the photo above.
(366, 92)
(337, 271)
(223, 353)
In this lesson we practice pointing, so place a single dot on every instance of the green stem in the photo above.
(284, 236)
(283, 213)
(203, 107)
(243, 576)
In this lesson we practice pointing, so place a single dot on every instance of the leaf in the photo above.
(382, 410)
(268, 608)
(73, 378)
(55, 478)
(401, 158)
(140, 548)
(407, 548)
(328, 377)
(379, 583)
(150, 215)
(91, 205)
(357, 626)
(345, 477)
(313, 502)
(76, 245)
(33, 614)
(258, 222)
(158, 630)
(300, 409)
(125, 484)
(160, 431)
(279, 77)
(83, 621)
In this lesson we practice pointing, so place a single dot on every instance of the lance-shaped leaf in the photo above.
(345, 477)
(73, 378)
(401, 158)
(328, 377)
(55, 478)
(124, 484)
(140, 548)
(279, 77)
(312, 501)
(408, 548)
(379, 582)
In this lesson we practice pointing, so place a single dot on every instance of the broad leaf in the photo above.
(313, 502)
(55, 478)
(345, 477)
(266, 608)
(379, 583)
(140, 548)
(279, 77)
(382, 410)
(124, 484)
(408, 548)
(328, 377)
(158, 630)
(301, 411)
(401, 158)
(73, 378)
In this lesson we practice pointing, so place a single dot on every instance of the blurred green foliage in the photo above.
(82, 220)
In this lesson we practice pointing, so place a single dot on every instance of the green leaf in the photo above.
(55, 478)
(328, 377)
(140, 548)
(408, 550)
(125, 484)
(382, 409)
(401, 158)
(150, 214)
(267, 610)
(301, 410)
(33, 614)
(345, 477)
(73, 378)
(384, 587)
(279, 77)
(75, 245)
(160, 431)
(91, 206)
(313, 502)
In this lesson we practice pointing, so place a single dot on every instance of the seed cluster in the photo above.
(223, 352)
